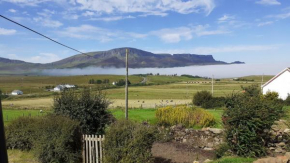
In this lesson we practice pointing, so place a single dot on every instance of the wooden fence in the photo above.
(93, 148)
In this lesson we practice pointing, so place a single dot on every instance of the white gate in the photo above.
(93, 148)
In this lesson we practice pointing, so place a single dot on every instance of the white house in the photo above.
(62, 87)
(280, 84)
(114, 83)
(17, 92)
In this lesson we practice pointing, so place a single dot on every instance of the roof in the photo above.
(16, 91)
(275, 77)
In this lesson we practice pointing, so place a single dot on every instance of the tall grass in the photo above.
(189, 117)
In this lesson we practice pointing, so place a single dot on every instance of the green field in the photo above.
(10, 115)
(180, 89)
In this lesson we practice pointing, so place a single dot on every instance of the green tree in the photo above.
(201, 98)
(88, 108)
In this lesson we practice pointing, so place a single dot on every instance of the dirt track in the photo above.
(179, 153)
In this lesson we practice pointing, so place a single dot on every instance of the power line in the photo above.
(43, 35)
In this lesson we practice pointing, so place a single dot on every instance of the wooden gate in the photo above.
(93, 148)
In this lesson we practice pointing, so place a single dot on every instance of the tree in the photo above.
(88, 108)
(201, 98)
(252, 90)
(99, 81)
(122, 82)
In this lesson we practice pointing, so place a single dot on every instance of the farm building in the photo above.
(62, 87)
(17, 92)
(280, 84)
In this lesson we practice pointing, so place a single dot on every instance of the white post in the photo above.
(212, 84)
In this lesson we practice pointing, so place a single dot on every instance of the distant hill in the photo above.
(116, 58)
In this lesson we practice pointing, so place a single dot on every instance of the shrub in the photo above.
(52, 138)
(88, 108)
(246, 118)
(201, 98)
(59, 140)
(189, 117)
(222, 150)
(287, 100)
(129, 142)
(20, 133)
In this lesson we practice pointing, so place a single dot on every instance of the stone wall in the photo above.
(210, 138)
(206, 139)
(279, 138)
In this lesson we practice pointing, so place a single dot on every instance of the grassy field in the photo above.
(10, 115)
(179, 90)
(148, 115)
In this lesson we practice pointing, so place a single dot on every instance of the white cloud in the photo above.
(265, 23)
(48, 23)
(12, 10)
(4, 31)
(88, 13)
(268, 2)
(280, 16)
(113, 18)
(226, 18)
(45, 20)
(175, 35)
(146, 6)
(26, 2)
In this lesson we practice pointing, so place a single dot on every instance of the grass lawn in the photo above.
(234, 160)
(141, 115)
(138, 115)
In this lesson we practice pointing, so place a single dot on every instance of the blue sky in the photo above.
(254, 31)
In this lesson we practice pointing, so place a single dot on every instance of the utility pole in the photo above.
(3, 150)
(212, 84)
(126, 88)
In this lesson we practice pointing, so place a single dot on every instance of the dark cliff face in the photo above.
(116, 58)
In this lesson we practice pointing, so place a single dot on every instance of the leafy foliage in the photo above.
(201, 98)
(129, 142)
(206, 100)
(52, 138)
(88, 108)
(287, 100)
(59, 140)
(246, 118)
(21, 133)
(122, 82)
(189, 117)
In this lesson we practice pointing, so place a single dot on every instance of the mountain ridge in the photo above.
(116, 58)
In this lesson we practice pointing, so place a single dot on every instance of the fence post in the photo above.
(84, 148)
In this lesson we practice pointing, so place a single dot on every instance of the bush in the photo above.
(20, 133)
(189, 117)
(129, 142)
(222, 150)
(287, 100)
(88, 108)
(201, 98)
(52, 138)
(59, 140)
(246, 118)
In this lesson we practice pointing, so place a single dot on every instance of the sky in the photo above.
(253, 31)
